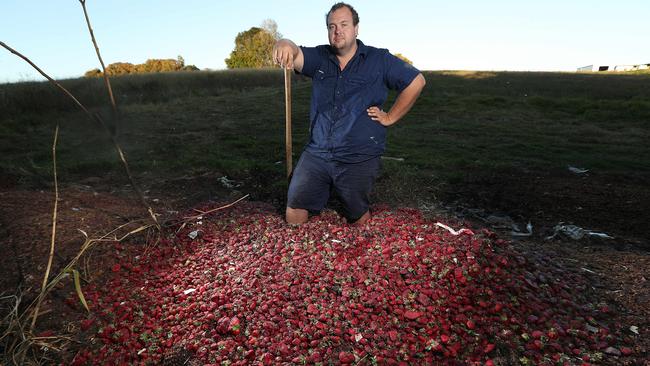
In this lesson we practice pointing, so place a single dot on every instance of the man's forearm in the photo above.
(406, 99)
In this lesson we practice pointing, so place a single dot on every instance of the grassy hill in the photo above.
(231, 123)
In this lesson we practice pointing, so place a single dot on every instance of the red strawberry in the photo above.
(345, 357)
(488, 348)
(392, 335)
(312, 309)
(412, 315)
(470, 324)
(86, 323)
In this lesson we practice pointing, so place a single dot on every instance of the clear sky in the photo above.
(516, 35)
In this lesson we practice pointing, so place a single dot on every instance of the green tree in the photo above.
(252, 49)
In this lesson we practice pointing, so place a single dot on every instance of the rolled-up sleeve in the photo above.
(311, 60)
(399, 74)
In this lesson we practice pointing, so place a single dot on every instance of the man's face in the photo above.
(342, 32)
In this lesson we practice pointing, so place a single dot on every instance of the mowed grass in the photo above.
(232, 122)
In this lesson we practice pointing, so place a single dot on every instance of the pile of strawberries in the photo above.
(242, 287)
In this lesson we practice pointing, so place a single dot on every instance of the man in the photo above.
(348, 125)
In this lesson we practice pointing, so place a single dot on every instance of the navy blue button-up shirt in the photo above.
(340, 128)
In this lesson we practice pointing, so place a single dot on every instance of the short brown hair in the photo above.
(337, 6)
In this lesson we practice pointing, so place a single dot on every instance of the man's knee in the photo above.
(296, 215)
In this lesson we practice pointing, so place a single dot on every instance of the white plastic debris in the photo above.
(189, 291)
(600, 235)
(193, 234)
(575, 232)
(576, 170)
(516, 232)
(358, 337)
(591, 328)
(392, 158)
(142, 351)
(226, 182)
(454, 232)
(634, 329)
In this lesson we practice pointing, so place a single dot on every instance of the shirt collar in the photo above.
(362, 50)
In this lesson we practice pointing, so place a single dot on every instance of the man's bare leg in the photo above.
(296, 216)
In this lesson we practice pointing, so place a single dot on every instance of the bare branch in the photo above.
(101, 61)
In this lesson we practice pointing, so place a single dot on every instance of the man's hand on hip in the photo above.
(377, 114)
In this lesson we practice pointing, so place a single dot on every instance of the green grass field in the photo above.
(232, 122)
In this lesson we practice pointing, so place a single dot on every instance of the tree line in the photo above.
(150, 66)
(253, 49)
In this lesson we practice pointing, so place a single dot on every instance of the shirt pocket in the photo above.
(358, 81)
(323, 90)
(362, 79)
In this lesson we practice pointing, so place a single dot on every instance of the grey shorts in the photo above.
(315, 178)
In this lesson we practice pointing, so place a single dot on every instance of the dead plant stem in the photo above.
(53, 236)
(203, 213)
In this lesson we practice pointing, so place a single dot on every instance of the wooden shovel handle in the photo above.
(287, 136)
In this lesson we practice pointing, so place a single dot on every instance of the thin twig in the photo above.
(97, 118)
(101, 61)
(203, 213)
(53, 236)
